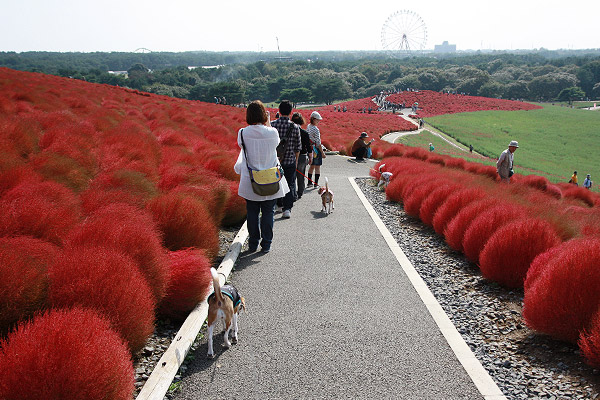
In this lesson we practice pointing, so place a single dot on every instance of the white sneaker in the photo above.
(287, 214)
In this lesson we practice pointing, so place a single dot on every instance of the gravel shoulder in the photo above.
(525, 365)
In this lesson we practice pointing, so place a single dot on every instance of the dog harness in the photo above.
(230, 292)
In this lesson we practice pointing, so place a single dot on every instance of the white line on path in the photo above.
(480, 377)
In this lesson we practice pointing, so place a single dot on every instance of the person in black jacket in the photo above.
(306, 154)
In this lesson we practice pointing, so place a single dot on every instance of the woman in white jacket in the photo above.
(260, 141)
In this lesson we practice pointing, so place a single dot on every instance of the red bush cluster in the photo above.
(515, 233)
(65, 354)
(23, 278)
(108, 281)
(130, 231)
(563, 298)
(189, 283)
(436, 103)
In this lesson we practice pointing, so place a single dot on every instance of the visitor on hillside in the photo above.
(289, 132)
(260, 142)
(360, 147)
(315, 139)
(504, 166)
(573, 179)
(305, 157)
(431, 147)
(470, 148)
(587, 182)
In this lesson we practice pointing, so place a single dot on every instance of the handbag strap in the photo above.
(245, 151)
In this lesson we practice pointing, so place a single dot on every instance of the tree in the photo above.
(570, 94)
(330, 89)
(298, 95)
(549, 86)
(492, 89)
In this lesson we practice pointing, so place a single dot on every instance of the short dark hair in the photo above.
(297, 118)
(256, 113)
(285, 107)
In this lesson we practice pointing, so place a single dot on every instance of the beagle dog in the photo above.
(326, 198)
(384, 180)
(224, 303)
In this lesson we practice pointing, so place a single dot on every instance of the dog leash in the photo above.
(306, 177)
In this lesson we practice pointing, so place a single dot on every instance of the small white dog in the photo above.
(384, 180)
(326, 198)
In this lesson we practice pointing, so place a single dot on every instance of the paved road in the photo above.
(330, 315)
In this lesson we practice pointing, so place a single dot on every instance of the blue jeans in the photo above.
(289, 171)
(260, 227)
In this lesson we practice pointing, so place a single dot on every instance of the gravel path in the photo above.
(523, 364)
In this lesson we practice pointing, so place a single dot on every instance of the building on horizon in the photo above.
(444, 48)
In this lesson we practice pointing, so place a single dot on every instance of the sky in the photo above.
(306, 25)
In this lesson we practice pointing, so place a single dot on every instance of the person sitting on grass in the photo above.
(360, 147)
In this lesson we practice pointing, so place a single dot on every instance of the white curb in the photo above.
(480, 377)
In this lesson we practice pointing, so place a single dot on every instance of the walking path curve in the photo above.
(336, 311)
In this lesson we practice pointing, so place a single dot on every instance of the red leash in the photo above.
(306, 177)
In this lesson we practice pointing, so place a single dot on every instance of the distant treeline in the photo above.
(328, 76)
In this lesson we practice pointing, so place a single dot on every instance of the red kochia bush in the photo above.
(414, 198)
(589, 342)
(539, 264)
(485, 225)
(432, 202)
(455, 230)
(185, 222)
(452, 205)
(65, 354)
(509, 252)
(562, 300)
(23, 278)
(235, 209)
(130, 231)
(45, 210)
(106, 280)
(189, 283)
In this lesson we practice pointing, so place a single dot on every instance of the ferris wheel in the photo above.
(403, 33)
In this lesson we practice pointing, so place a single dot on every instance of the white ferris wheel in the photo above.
(403, 33)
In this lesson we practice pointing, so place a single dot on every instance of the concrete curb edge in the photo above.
(480, 377)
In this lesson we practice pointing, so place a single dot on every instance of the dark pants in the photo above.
(260, 227)
(302, 159)
(289, 171)
(360, 153)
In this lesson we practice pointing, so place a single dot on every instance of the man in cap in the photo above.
(504, 166)
(360, 146)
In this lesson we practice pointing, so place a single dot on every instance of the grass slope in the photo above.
(553, 140)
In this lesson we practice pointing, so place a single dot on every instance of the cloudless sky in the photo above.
(235, 25)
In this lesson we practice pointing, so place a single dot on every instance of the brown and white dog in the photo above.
(224, 304)
(326, 198)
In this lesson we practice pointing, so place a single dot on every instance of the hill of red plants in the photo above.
(530, 234)
(111, 201)
(436, 103)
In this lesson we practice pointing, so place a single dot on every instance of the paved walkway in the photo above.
(331, 314)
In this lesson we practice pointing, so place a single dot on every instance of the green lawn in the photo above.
(554, 141)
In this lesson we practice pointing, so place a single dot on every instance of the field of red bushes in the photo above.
(436, 103)
(111, 201)
(531, 234)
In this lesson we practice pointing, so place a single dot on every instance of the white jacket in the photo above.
(261, 143)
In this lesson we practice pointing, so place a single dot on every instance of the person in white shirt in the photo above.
(260, 142)
(587, 183)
